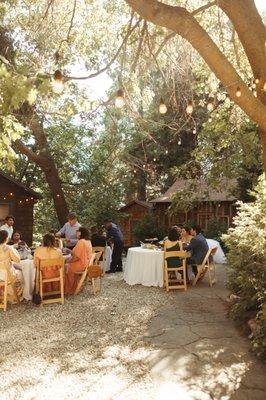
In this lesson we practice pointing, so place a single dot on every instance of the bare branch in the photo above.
(107, 66)
(205, 7)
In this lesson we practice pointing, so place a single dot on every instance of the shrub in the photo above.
(247, 267)
(148, 228)
(216, 228)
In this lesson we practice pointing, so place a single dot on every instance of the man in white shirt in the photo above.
(8, 226)
(69, 230)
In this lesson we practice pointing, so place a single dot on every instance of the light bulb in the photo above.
(179, 142)
(162, 107)
(154, 159)
(257, 81)
(238, 92)
(166, 151)
(120, 99)
(57, 82)
(210, 106)
(264, 87)
(194, 131)
(189, 108)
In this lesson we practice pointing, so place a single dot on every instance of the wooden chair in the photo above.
(171, 283)
(207, 265)
(44, 266)
(98, 261)
(9, 280)
(83, 275)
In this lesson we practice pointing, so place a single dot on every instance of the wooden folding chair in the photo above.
(9, 280)
(207, 265)
(100, 260)
(83, 275)
(174, 283)
(45, 266)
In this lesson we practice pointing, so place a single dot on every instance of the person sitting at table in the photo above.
(69, 230)
(198, 248)
(8, 253)
(185, 235)
(48, 251)
(97, 238)
(173, 243)
(81, 255)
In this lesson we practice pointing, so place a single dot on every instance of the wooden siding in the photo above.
(19, 203)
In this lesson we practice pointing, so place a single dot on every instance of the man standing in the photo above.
(114, 233)
(69, 230)
(198, 248)
(8, 226)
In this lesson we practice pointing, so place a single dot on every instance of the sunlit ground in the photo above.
(103, 348)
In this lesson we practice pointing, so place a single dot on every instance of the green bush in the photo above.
(149, 227)
(246, 257)
(216, 228)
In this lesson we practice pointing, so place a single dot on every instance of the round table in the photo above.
(144, 267)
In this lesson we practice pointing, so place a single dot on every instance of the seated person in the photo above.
(8, 254)
(48, 251)
(198, 248)
(173, 243)
(81, 255)
(185, 235)
(97, 238)
(21, 246)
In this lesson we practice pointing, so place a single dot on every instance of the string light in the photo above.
(57, 82)
(120, 99)
(154, 159)
(194, 131)
(162, 107)
(179, 142)
(58, 195)
(4, 198)
(166, 151)
(11, 194)
(257, 81)
(264, 87)
(238, 92)
(189, 108)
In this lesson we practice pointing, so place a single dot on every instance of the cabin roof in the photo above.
(142, 203)
(204, 192)
(21, 185)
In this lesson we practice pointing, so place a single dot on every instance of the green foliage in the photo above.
(149, 227)
(216, 228)
(247, 265)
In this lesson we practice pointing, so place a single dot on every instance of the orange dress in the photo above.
(48, 253)
(83, 250)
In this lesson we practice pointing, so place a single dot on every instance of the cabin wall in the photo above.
(201, 214)
(135, 213)
(17, 202)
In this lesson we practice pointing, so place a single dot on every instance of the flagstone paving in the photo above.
(129, 343)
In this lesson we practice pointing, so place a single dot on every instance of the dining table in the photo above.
(144, 267)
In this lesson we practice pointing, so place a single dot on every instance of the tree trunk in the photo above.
(43, 159)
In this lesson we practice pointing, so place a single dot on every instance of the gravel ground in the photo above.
(90, 348)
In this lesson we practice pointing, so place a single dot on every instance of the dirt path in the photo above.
(128, 343)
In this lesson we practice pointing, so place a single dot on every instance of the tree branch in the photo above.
(205, 7)
(100, 71)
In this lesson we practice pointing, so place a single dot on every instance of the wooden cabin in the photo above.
(218, 203)
(133, 213)
(17, 200)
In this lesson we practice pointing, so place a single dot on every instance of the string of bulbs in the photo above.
(58, 87)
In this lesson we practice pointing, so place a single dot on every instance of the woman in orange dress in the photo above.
(81, 255)
(47, 252)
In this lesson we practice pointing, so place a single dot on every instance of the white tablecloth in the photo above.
(28, 274)
(219, 257)
(144, 267)
(108, 258)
